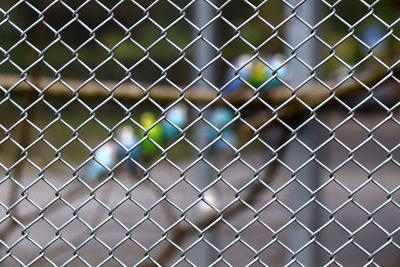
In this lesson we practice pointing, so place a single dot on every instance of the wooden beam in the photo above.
(313, 93)
(94, 89)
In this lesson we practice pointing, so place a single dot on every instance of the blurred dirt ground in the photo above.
(351, 231)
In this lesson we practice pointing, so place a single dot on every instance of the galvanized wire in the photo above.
(238, 202)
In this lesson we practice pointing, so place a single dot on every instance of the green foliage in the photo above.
(139, 37)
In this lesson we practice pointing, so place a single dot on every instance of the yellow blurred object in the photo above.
(147, 120)
(259, 74)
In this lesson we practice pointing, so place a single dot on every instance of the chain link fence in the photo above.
(199, 133)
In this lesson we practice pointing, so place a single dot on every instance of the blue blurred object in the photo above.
(276, 61)
(372, 34)
(243, 67)
(219, 118)
(104, 157)
(178, 116)
(127, 137)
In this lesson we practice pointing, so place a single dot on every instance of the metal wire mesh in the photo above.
(138, 133)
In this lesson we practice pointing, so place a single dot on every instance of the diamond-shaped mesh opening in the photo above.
(243, 259)
(148, 27)
(122, 256)
(348, 16)
(68, 34)
(125, 51)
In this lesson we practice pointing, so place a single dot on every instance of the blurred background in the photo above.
(48, 135)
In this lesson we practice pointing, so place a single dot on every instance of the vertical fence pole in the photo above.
(202, 56)
(309, 175)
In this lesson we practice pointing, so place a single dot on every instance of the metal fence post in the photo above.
(309, 175)
(202, 56)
